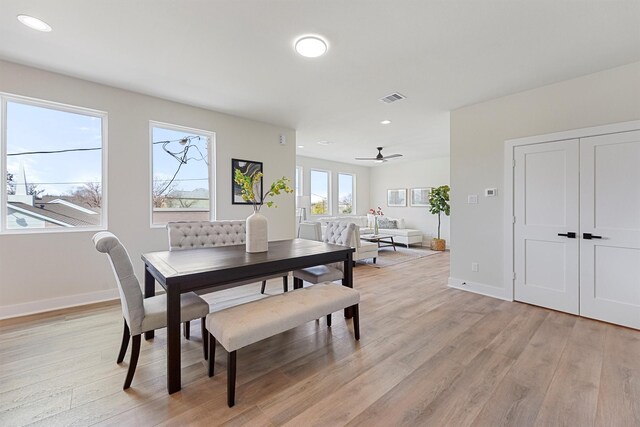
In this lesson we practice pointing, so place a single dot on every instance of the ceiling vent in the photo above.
(392, 98)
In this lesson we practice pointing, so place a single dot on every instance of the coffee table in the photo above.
(380, 238)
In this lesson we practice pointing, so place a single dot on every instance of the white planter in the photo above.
(257, 233)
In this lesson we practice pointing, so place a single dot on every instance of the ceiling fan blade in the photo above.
(366, 158)
(393, 156)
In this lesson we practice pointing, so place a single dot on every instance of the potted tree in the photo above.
(439, 204)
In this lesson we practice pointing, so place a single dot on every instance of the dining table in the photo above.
(217, 268)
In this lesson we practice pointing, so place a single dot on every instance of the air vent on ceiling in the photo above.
(392, 98)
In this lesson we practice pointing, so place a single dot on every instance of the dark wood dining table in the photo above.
(219, 268)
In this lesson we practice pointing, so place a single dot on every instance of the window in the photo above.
(319, 192)
(53, 166)
(346, 194)
(181, 187)
(298, 183)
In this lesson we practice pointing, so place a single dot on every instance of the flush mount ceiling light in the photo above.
(34, 23)
(311, 46)
(325, 142)
(385, 122)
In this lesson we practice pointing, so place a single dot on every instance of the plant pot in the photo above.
(257, 239)
(438, 244)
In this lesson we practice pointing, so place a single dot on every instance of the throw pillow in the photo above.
(387, 223)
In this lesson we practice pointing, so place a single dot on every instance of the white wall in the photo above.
(362, 181)
(414, 174)
(478, 133)
(40, 271)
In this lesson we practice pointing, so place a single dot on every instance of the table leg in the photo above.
(394, 244)
(348, 281)
(173, 340)
(149, 291)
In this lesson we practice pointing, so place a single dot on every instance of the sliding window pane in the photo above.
(54, 167)
(346, 192)
(319, 192)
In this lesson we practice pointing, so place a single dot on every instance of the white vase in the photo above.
(257, 239)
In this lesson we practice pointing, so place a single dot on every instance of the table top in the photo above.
(226, 263)
(375, 236)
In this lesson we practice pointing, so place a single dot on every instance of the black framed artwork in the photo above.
(248, 167)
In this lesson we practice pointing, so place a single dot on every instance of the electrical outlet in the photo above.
(475, 267)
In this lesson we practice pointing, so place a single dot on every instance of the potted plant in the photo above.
(439, 204)
(257, 228)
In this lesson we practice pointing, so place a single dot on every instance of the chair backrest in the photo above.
(205, 234)
(310, 231)
(128, 285)
(340, 233)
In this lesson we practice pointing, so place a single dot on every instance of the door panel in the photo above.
(546, 183)
(610, 209)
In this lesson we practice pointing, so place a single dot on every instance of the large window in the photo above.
(181, 187)
(53, 166)
(298, 183)
(319, 182)
(346, 194)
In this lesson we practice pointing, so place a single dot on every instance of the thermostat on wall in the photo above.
(490, 192)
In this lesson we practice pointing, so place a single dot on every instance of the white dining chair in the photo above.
(338, 233)
(184, 235)
(143, 314)
(310, 230)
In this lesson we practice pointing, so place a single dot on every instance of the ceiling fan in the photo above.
(380, 158)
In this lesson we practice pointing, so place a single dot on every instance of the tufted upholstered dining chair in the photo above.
(209, 234)
(143, 314)
(338, 233)
(310, 230)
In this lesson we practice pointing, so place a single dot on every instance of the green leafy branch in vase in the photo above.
(250, 185)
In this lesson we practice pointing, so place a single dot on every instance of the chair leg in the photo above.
(205, 336)
(231, 379)
(374, 260)
(285, 283)
(187, 329)
(212, 353)
(126, 334)
(329, 320)
(133, 362)
(356, 321)
(264, 285)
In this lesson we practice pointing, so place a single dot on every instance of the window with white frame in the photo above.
(53, 166)
(320, 192)
(346, 194)
(298, 183)
(181, 174)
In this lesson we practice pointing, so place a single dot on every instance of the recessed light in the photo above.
(34, 23)
(300, 146)
(385, 122)
(311, 46)
(325, 142)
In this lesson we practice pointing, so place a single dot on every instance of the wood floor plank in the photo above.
(428, 355)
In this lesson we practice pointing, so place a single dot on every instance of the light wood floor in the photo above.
(428, 356)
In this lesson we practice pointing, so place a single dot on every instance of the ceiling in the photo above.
(237, 57)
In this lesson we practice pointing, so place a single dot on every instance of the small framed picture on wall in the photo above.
(248, 167)
(419, 196)
(397, 197)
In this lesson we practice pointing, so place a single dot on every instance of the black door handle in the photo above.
(589, 236)
(569, 234)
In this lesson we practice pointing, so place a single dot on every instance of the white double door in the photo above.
(577, 226)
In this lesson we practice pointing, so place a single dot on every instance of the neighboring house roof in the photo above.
(58, 213)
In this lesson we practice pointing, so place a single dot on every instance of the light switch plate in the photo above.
(472, 199)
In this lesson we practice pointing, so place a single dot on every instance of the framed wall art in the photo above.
(397, 197)
(248, 167)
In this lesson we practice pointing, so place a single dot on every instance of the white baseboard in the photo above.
(479, 288)
(24, 309)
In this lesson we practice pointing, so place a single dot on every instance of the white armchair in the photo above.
(364, 250)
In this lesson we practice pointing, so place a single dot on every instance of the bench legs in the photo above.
(329, 320)
(231, 379)
(356, 321)
(264, 285)
(212, 353)
(205, 336)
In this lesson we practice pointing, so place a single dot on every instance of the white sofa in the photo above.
(405, 236)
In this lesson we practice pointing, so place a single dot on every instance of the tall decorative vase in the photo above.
(257, 233)
(375, 227)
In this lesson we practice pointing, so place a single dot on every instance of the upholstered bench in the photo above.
(245, 324)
